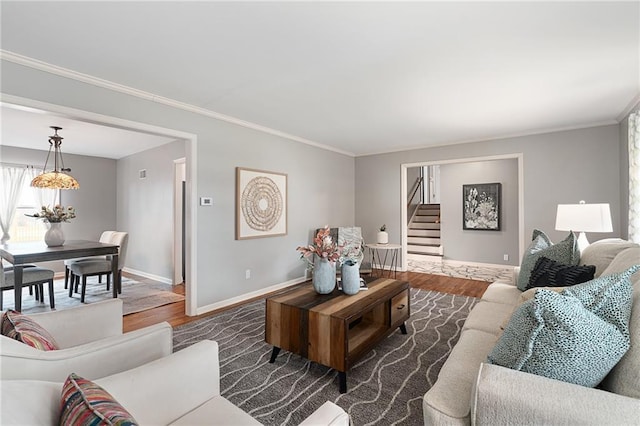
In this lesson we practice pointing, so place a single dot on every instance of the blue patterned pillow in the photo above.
(565, 252)
(576, 336)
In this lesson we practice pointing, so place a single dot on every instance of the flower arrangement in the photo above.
(55, 215)
(352, 251)
(323, 246)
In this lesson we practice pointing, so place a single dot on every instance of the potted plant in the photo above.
(322, 255)
(383, 236)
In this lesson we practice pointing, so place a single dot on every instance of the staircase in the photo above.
(423, 234)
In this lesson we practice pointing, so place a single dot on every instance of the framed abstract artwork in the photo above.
(481, 206)
(261, 203)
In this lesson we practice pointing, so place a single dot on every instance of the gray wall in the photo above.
(94, 201)
(459, 244)
(559, 167)
(321, 183)
(146, 208)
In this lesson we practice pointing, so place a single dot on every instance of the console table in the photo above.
(335, 329)
(20, 254)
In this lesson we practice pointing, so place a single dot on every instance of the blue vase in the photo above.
(350, 276)
(324, 275)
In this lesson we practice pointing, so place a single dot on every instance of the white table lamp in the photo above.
(584, 218)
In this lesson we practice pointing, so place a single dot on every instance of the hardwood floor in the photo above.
(174, 313)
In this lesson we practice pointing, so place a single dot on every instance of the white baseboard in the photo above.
(247, 296)
(163, 280)
(486, 265)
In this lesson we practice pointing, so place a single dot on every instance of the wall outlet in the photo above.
(206, 201)
(506, 257)
(247, 274)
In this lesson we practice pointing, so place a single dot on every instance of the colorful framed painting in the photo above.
(481, 206)
(261, 203)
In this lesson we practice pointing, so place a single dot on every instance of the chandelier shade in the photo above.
(56, 178)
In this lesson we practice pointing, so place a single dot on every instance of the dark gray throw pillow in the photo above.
(549, 273)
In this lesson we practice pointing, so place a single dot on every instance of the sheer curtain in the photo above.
(43, 197)
(12, 183)
(634, 177)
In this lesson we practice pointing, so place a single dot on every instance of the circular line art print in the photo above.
(261, 203)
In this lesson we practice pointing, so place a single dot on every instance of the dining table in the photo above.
(21, 254)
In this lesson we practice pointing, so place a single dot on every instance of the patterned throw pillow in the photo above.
(23, 329)
(576, 336)
(566, 252)
(549, 273)
(85, 403)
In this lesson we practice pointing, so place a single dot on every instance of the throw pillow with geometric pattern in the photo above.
(549, 273)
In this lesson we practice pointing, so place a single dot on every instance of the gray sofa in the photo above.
(471, 391)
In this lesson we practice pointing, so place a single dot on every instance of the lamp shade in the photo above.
(584, 218)
(55, 180)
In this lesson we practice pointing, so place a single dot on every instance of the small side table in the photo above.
(391, 251)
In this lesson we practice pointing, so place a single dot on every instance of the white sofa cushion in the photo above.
(220, 408)
(488, 317)
(601, 253)
(29, 402)
(449, 398)
(502, 293)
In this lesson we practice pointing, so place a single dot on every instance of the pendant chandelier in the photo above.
(57, 178)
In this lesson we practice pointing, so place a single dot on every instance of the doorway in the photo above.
(190, 191)
(404, 180)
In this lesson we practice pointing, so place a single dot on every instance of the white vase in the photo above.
(54, 236)
(383, 237)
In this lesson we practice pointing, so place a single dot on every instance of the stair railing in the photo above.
(415, 189)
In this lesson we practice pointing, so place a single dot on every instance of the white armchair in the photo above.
(91, 343)
(183, 388)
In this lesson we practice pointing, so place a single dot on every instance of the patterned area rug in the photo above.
(136, 296)
(384, 388)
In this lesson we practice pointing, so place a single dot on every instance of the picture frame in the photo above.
(261, 203)
(481, 208)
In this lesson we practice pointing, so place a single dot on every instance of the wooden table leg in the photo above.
(274, 354)
(342, 379)
(403, 328)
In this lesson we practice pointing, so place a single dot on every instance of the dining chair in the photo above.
(104, 238)
(90, 267)
(31, 276)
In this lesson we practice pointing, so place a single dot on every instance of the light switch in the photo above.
(206, 201)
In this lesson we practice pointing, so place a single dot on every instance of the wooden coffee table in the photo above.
(336, 330)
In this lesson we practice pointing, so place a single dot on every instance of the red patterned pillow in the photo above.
(85, 403)
(26, 330)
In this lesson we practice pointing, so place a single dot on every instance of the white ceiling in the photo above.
(29, 128)
(363, 77)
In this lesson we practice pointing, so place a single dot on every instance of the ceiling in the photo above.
(360, 77)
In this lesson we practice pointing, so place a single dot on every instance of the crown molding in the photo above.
(635, 103)
(26, 61)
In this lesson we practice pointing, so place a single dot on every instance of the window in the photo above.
(24, 228)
